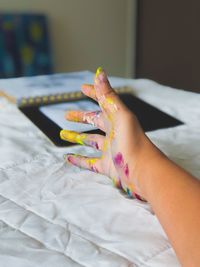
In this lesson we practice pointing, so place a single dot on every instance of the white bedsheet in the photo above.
(53, 214)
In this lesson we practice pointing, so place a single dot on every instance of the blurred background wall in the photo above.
(87, 33)
(129, 38)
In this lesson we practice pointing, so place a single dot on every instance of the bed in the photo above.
(54, 214)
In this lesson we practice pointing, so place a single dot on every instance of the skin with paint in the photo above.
(118, 144)
(140, 168)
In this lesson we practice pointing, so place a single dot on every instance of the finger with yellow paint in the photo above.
(72, 136)
(107, 97)
(94, 140)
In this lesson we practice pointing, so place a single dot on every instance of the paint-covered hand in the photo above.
(122, 144)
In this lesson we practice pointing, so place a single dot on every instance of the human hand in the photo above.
(141, 169)
(122, 144)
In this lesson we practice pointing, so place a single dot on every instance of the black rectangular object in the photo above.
(149, 117)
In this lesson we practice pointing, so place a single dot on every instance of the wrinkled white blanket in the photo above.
(53, 214)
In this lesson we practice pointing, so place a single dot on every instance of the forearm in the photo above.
(174, 196)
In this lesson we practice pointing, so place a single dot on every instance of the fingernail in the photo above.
(71, 115)
(67, 114)
(98, 71)
(100, 76)
(65, 156)
(67, 135)
(73, 137)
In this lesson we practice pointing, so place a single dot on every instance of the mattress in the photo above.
(55, 214)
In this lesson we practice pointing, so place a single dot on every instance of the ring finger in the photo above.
(94, 140)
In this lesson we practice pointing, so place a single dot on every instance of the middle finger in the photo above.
(95, 118)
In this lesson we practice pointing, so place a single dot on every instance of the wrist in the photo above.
(147, 160)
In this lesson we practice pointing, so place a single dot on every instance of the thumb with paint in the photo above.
(105, 94)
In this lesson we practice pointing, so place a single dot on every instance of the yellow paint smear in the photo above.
(91, 162)
(99, 70)
(73, 137)
(110, 101)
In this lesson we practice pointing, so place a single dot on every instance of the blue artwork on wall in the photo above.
(24, 45)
